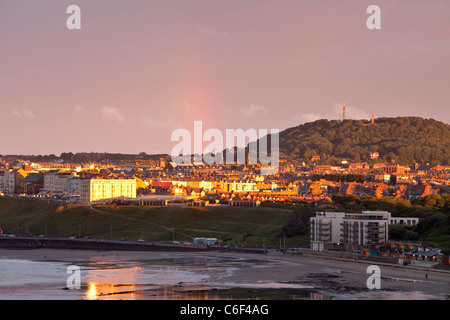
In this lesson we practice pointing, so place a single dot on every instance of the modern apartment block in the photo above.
(92, 190)
(351, 231)
(368, 229)
(325, 230)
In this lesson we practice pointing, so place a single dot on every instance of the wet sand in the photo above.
(348, 279)
(339, 278)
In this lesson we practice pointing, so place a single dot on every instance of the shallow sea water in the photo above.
(167, 278)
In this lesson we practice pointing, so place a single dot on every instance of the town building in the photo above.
(32, 184)
(13, 178)
(244, 203)
(2, 181)
(374, 155)
(352, 231)
(73, 185)
(56, 181)
(365, 230)
(325, 230)
(197, 203)
(96, 189)
(404, 221)
(153, 202)
(237, 186)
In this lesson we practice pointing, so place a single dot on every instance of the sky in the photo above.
(137, 70)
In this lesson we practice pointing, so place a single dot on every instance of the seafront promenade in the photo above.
(74, 243)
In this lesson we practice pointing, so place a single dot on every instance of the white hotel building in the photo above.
(352, 231)
(92, 190)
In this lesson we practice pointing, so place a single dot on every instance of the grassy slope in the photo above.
(34, 217)
(24, 216)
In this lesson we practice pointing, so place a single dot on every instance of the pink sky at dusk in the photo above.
(139, 69)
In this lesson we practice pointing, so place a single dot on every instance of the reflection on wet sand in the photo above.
(92, 293)
(180, 278)
(115, 290)
(110, 291)
(133, 292)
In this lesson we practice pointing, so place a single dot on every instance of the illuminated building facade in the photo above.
(92, 190)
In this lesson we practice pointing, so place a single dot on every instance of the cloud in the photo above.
(16, 113)
(186, 106)
(26, 113)
(79, 109)
(113, 114)
(213, 33)
(156, 123)
(298, 119)
(253, 110)
(307, 117)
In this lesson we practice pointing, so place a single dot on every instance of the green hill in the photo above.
(234, 225)
(403, 140)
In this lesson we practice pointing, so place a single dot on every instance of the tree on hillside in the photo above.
(403, 140)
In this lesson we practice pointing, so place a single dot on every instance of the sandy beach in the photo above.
(348, 279)
(339, 278)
